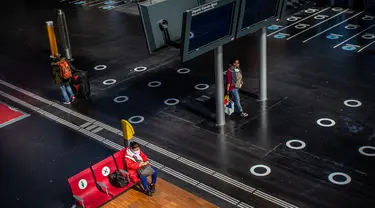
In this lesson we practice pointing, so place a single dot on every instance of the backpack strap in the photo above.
(114, 159)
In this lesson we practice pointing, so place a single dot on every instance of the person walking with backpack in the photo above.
(234, 82)
(62, 74)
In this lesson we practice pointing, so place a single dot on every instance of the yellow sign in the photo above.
(127, 130)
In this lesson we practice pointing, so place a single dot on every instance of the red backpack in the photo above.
(65, 71)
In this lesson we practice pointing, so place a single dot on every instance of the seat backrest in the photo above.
(82, 182)
(119, 157)
(103, 168)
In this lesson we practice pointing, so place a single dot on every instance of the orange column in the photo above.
(52, 38)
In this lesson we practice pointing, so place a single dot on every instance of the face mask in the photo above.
(136, 152)
(236, 70)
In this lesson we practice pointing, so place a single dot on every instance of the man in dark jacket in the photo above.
(64, 84)
(234, 83)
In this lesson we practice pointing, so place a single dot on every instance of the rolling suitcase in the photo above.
(81, 84)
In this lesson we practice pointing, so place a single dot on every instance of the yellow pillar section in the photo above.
(52, 38)
(127, 131)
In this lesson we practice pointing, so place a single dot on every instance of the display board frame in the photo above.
(286, 13)
(258, 25)
(186, 27)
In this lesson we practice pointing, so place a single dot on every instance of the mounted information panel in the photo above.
(152, 12)
(255, 14)
(207, 27)
(294, 6)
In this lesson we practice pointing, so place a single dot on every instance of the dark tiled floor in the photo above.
(307, 81)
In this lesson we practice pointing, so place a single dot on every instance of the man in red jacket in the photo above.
(135, 159)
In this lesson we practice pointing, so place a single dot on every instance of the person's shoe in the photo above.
(66, 102)
(152, 188)
(73, 98)
(148, 192)
(243, 114)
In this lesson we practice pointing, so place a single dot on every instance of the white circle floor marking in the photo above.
(136, 119)
(140, 69)
(357, 103)
(368, 36)
(121, 99)
(100, 67)
(183, 71)
(332, 122)
(171, 101)
(301, 146)
(300, 26)
(331, 176)
(201, 86)
(362, 151)
(337, 9)
(292, 19)
(351, 27)
(109, 81)
(252, 170)
(154, 84)
(367, 18)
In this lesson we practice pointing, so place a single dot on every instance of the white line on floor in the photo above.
(297, 22)
(331, 27)
(366, 46)
(142, 142)
(293, 36)
(353, 36)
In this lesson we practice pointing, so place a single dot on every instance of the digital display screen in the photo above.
(210, 26)
(295, 4)
(259, 10)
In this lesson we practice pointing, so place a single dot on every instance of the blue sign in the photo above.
(349, 48)
(273, 27)
(279, 36)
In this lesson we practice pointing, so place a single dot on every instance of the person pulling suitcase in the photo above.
(62, 74)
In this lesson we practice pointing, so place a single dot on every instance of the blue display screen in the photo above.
(210, 26)
(258, 10)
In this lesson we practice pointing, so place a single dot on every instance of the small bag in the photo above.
(229, 107)
(117, 179)
(146, 170)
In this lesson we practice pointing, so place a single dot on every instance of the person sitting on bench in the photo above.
(136, 160)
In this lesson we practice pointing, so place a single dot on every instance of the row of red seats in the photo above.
(91, 187)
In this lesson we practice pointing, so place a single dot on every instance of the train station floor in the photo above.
(310, 145)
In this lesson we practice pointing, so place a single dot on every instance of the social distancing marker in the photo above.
(301, 144)
(352, 27)
(301, 26)
(333, 36)
(82, 184)
(281, 35)
(140, 69)
(293, 18)
(109, 82)
(121, 99)
(367, 17)
(100, 67)
(136, 119)
(154, 84)
(274, 27)
(347, 180)
(310, 11)
(183, 71)
(337, 9)
(171, 101)
(329, 124)
(349, 47)
(268, 170)
(106, 171)
(320, 17)
(368, 36)
(352, 103)
(363, 152)
(201, 86)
